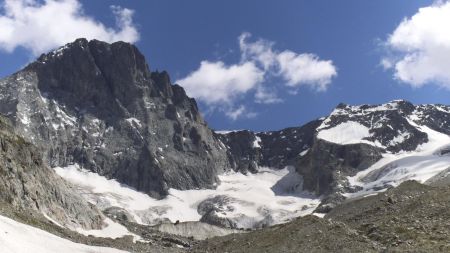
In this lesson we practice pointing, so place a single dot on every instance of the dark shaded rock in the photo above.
(282, 148)
(276, 149)
(210, 208)
(213, 219)
(244, 150)
(327, 163)
(120, 214)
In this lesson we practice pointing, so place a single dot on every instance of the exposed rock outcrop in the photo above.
(98, 105)
(26, 183)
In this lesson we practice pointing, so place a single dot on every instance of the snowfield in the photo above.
(349, 132)
(271, 196)
(252, 198)
(16, 237)
(393, 169)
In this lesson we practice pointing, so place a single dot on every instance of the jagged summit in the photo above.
(89, 45)
(99, 105)
(394, 104)
(390, 126)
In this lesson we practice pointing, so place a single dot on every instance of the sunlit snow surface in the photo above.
(111, 230)
(349, 132)
(16, 237)
(393, 169)
(252, 197)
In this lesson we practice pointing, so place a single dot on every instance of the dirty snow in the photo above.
(112, 230)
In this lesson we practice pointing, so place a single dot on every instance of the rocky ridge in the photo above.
(27, 184)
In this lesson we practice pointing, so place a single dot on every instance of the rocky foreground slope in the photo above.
(28, 185)
(409, 218)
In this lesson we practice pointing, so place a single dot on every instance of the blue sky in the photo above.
(350, 36)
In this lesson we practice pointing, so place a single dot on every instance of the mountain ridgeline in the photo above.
(99, 105)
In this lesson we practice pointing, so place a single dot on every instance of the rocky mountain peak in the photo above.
(98, 105)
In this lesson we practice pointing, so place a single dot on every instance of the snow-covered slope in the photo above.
(420, 165)
(16, 237)
(411, 139)
(249, 198)
(349, 132)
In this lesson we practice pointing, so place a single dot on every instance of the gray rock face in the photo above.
(327, 164)
(276, 149)
(26, 183)
(98, 105)
(282, 148)
(244, 151)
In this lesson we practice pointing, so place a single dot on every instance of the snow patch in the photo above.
(399, 138)
(224, 132)
(133, 121)
(304, 152)
(349, 132)
(16, 237)
(257, 142)
(112, 230)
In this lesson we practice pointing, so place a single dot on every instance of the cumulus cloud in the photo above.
(264, 95)
(306, 69)
(259, 51)
(239, 112)
(40, 26)
(419, 48)
(216, 83)
(295, 69)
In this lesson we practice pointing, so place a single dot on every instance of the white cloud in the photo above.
(218, 84)
(259, 51)
(215, 82)
(239, 112)
(265, 96)
(41, 26)
(420, 47)
(295, 69)
(305, 69)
